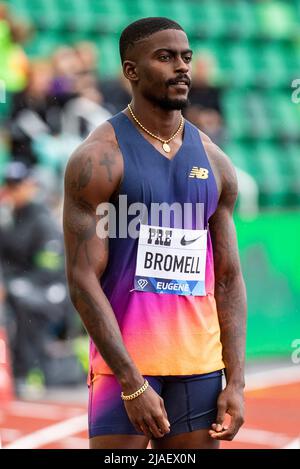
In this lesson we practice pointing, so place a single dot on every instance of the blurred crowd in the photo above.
(55, 102)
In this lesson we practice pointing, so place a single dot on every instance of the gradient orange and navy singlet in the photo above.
(167, 328)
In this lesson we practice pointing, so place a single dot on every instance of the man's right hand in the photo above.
(147, 413)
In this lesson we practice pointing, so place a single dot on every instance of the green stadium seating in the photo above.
(284, 115)
(109, 60)
(272, 182)
(291, 156)
(240, 154)
(275, 19)
(239, 19)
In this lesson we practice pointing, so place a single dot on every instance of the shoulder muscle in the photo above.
(95, 168)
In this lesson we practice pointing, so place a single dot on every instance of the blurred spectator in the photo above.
(85, 112)
(31, 254)
(87, 53)
(116, 93)
(34, 112)
(207, 120)
(205, 99)
(203, 93)
(67, 66)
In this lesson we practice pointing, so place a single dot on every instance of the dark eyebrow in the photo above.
(173, 51)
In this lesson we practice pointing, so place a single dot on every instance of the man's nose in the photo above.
(181, 65)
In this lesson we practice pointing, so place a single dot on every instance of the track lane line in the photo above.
(50, 434)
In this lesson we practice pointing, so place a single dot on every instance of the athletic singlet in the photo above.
(165, 334)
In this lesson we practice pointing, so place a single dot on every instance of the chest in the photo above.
(150, 177)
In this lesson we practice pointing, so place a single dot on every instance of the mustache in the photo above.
(184, 78)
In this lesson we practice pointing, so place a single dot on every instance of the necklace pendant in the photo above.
(166, 148)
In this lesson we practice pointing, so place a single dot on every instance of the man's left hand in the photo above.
(230, 401)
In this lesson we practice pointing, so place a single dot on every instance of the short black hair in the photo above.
(143, 28)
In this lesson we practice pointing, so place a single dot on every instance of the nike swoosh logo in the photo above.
(186, 242)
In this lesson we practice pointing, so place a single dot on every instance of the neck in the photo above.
(159, 121)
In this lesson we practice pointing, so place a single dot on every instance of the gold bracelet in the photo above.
(137, 393)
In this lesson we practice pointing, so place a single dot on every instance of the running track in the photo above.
(272, 418)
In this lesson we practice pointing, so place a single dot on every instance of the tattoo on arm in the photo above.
(108, 161)
(84, 175)
(81, 222)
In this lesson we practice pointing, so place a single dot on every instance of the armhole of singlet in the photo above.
(120, 186)
(212, 172)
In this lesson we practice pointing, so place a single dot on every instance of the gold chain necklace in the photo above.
(165, 143)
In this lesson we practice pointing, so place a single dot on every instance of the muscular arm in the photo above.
(229, 285)
(92, 175)
(230, 291)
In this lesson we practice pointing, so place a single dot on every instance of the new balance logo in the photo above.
(199, 173)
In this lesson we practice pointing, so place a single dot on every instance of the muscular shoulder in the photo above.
(96, 165)
(223, 169)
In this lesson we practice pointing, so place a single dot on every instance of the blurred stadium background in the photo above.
(59, 77)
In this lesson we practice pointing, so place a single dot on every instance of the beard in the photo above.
(173, 104)
(168, 104)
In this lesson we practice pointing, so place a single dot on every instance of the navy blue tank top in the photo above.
(165, 334)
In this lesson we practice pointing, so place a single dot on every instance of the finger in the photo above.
(162, 406)
(138, 427)
(155, 431)
(162, 423)
(163, 429)
(228, 433)
(165, 415)
(222, 435)
(225, 433)
(218, 425)
(215, 426)
(146, 430)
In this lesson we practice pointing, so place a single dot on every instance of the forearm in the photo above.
(102, 326)
(231, 305)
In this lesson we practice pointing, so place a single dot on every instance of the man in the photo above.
(162, 342)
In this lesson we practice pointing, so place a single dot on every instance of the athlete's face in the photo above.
(163, 68)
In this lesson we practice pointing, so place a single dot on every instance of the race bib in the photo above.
(171, 260)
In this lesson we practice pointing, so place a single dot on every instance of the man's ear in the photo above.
(129, 70)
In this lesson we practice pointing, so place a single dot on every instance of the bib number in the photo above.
(171, 260)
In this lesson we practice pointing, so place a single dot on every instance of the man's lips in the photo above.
(180, 83)
(179, 88)
(183, 82)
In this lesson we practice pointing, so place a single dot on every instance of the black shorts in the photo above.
(190, 402)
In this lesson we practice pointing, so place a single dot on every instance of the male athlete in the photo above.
(166, 309)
